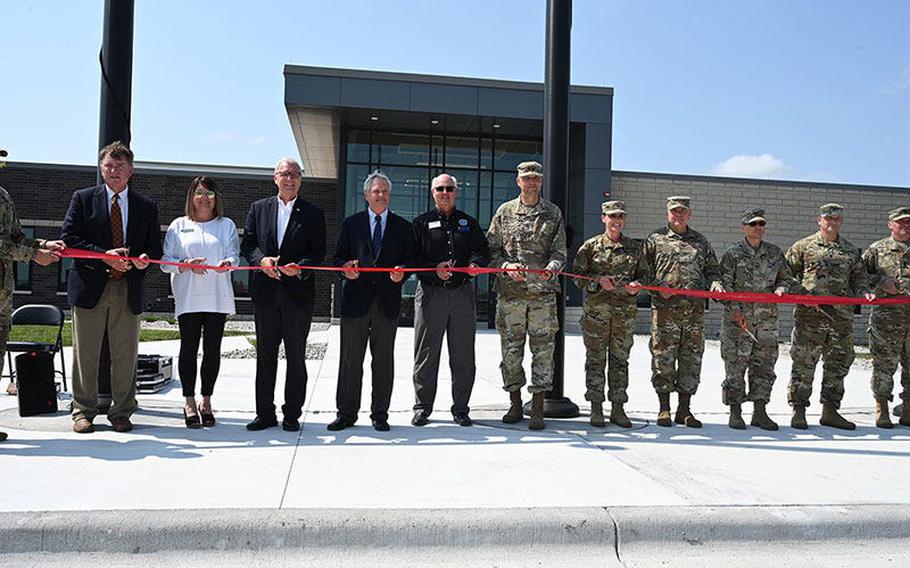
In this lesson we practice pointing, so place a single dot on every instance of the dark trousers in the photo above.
(284, 319)
(379, 331)
(210, 327)
(442, 311)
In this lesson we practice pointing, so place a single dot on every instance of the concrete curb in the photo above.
(259, 529)
(588, 532)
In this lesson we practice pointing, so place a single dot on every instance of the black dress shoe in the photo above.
(462, 420)
(339, 424)
(381, 425)
(420, 419)
(260, 423)
(290, 425)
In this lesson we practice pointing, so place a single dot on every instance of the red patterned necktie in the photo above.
(116, 231)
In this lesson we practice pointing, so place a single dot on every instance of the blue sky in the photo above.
(789, 89)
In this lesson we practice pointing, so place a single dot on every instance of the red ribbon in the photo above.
(751, 297)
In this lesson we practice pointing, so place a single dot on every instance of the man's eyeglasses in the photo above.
(288, 175)
(756, 223)
(204, 193)
(617, 215)
(445, 188)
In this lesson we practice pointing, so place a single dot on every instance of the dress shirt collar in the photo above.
(289, 206)
(384, 216)
(122, 194)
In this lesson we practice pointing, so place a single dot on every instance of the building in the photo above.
(411, 127)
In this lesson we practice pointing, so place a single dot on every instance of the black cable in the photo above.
(110, 88)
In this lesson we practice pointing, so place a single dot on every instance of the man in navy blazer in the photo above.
(107, 295)
(370, 301)
(280, 230)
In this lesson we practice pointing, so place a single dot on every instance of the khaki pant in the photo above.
(111, 313)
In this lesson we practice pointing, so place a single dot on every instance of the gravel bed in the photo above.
(231, 325)
(314, 351)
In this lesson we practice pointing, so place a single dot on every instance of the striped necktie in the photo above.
(377, 237)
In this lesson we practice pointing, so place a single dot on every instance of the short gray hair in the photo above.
(377, 175)
(433, 181)
(289, 160)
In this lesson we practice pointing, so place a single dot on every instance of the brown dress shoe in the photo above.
(121, 424)
(2, 436)
(83, 426)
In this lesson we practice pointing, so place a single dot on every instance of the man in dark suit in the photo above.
(107, 295)
(281, 230)
(370, 301)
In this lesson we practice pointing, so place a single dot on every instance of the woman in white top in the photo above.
(203, 297)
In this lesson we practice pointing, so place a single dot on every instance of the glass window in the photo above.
(436, 152)
(65, 264)
(461, 151)
(241, 280)
(510, 153)
(504, 188)
(485, 196)
(23, 270)
(486, 154)
(468, 195)
(359, 146)
(410, 190)
(400, 149)
(353, 193)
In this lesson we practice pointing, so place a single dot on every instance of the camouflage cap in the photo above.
(831, 210)
(899, 213)
(678, 201)
(610, 207)
(526, 169)
(753, 214)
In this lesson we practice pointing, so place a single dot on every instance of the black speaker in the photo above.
(37, 391)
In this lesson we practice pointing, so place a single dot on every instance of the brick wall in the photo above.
(791, 208)
(42, 192)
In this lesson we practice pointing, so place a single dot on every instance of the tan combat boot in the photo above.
(882, 419)
(831, 417)
(736, 417)
(799, 418)
(905, 414)
(684, 414)
(618, 416)
(663, 417)
(515, 412)
(760, 417)
(536, 421)
(597, 415)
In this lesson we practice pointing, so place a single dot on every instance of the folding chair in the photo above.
(37, 314)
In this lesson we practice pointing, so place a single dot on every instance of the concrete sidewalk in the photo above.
(163, 466)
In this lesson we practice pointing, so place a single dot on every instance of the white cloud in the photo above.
(760, 166)
(902, 85)
(225, 136)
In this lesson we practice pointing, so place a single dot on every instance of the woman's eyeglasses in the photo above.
(204, 193)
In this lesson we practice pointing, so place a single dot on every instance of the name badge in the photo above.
(434, 225)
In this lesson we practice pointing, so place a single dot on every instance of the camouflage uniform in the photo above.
(608, 321)
(747, 269)
(535, 237)
(825, 269)
(677, 323)
(14, 246)
(889, 325)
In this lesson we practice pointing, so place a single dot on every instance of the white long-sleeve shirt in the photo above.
(214, 240)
